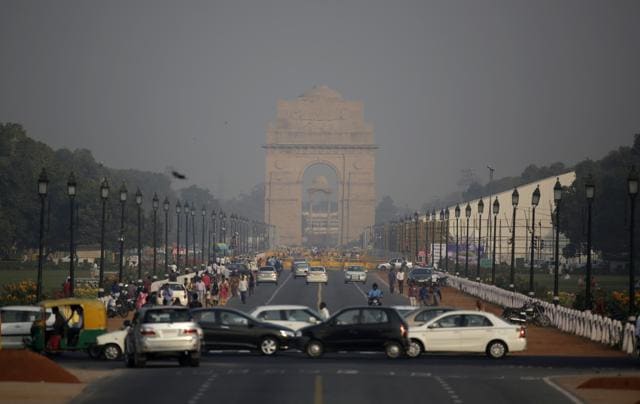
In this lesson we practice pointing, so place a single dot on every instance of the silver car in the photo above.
(317, 275)
(267, 274)
(158, 332)
(301, 269)
(355, 273)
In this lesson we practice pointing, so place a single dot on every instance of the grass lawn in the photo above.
(52, 278)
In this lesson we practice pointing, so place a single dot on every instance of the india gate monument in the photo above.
(319, 128)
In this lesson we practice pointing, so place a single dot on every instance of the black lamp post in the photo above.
(214, 234)
(440, 237)
(186, 234)
(155, 204)
(515, 198)
(496, 210)
(193, 235)
(123, 201)
(223, 226)
(104, 195)
(139, 204)
(71, 192)
(632, 188)
(535, 199)
(433, 236)
(178, 210)
(557, 197)
(165, 207)
(43, 185)
(467, 213)
(416, 219)
(478, 255)
(590, 191)
(446, 240)
(204, 214)
(457, 214)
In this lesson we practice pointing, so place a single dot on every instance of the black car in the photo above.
(420, 275)
(237, 269)
(357, 329)
(225, 328)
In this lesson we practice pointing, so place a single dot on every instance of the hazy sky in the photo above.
(446, 84)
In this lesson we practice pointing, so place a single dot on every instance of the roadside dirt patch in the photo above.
(612, 383)
(27, 366)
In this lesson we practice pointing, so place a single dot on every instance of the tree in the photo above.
(386, 210)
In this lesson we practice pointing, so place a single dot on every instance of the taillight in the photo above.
(403, 331)
(190, 331)
(522, 333)
(147, 333)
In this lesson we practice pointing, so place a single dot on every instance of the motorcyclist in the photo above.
(375, 294)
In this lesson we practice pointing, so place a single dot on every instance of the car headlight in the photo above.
(287, 334)
(298, 334)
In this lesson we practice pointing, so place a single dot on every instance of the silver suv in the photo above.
(158, 332)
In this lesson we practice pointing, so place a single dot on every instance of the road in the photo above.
(290, 377)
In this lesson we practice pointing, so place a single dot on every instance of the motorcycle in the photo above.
(528, 313)
(375, 301)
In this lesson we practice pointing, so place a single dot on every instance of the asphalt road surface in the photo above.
(290, 377)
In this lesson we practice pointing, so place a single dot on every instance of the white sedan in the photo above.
(112, 344)
(467, 331)
(317, 275)
(290, 316)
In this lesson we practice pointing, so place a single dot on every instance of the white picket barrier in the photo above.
(582, 323)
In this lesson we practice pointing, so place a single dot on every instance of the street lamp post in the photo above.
(433, 236)
(123, 201)
(496, 210)
(43, 185)
(193, 235)
(139, 204)
(457, 214)
(478, 255)
(214, 235)
(515, 198)
(590, 191)
(416, 218)
(467, 213)
(104, 195)
(178, 210)
(204, 214)
(71, 192)
(632, 188)
(155, 204)
(165, 207)
(535, 199)
(446, 240)
(557, 197)
(186, 234)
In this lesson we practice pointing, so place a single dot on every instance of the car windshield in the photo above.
(422, 271)
(166, 316)
(267, 269)
(176, 286)
(316, 269)
(356, 269)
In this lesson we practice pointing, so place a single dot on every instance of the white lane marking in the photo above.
(452, 394)
(562, 391)
(347, 372)
(202, 389)
(319, 295)
(275, 292)
(358, 287)
(420, 374)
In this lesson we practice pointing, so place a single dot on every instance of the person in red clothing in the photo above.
(66, 287)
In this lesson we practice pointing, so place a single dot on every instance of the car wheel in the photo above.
(326, 284)
(496, 349)
(128, 360)
(183, 360)
(393, 350)
(139, 360)
(94, 351)
(111, 352)
(415, 349)
(314, 349)
(194, 360)
(268, 346)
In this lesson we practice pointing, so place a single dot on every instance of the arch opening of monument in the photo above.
(320, 220)
(319, 128)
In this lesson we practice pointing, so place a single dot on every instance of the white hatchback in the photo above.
(16, 322)
(467, 331)
(290, 316)
(317, 275)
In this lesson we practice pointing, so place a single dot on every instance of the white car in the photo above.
(267, 274)
(394, 263)
(290, 316)
(112, 344)
(355, 273)
(467, 331)
(317, 275)
(179, 292)
(16, 322)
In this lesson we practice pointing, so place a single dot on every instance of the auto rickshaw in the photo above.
(79, 322)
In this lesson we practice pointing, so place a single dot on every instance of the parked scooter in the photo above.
(531, 312)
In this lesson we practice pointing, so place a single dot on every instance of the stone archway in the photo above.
(319, 127)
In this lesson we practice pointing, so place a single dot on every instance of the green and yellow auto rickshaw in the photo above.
(78, 322)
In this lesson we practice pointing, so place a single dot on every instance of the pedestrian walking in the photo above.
(392, 279)
(400, 278)
(252, 284)
(243, 286)
(424, 295)
(167, 295)
(224, 292)
(214, 292)
(324, 311)
(413, 294)
(435, 290)
(201, 291)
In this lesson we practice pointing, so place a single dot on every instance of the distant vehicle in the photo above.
(467, 331)
(111, 344)
(230, 329)
(355, 273)
(317, 275)
(423, 315)
(394, 263)
(421, 275)
(16, 322)
(357, 329)
(179, 292)
(290, 316)
(160, 332)
(300, 269)
(404, 310)
(237, 269)
(268, 275)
